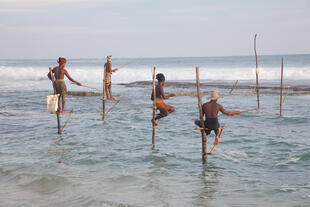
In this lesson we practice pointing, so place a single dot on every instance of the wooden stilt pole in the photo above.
(257, 88)
(154, 107)
(203, 133)
(103, 97)
(281, 87)
(57, 114)
(210, 153)
(112, 107)
(63, 127)
(234, 86)
(58, 123)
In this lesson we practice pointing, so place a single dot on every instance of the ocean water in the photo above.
(262, 160)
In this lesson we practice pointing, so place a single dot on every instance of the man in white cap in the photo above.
(210, 111)
(107, 77)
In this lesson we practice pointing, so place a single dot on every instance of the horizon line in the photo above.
(87, 58)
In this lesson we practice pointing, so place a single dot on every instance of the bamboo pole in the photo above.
(128, 63)
(281, 87)
(254, 109)
(234, 86)
(63, 127)
(103, 97)
(112, 107)
(154, 107)
(57, 114)
(211, 152)
(203, 133)
(257, 88)
(200, 128)
(90, 87)
(58, 123)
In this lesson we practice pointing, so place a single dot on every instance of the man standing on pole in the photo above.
(60, 72)
(107, 77)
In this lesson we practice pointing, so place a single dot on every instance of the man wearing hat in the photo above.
(107, 77)
(60, 84)
(210, 111)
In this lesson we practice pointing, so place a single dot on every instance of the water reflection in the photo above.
(210, 178)
(156, 175)
(58, 148)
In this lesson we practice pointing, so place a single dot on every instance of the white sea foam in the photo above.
(235, 156)
(131, 74)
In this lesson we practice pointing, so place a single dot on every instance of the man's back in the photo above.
(59, 73)
(211, 109)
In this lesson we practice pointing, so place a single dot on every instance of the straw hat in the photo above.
(109, 57)
(214, 96)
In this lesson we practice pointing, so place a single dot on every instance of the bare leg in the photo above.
(107, 92)
(217, 138)
(112, 98)
(197, 122)
(59, 109)
(163, 113)
(171, 109)
(63, 103)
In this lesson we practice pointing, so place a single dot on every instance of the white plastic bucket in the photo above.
(52, 103)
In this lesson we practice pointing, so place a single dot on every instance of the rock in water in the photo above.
(84, 93)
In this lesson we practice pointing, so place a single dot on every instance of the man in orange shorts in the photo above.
(164, 108)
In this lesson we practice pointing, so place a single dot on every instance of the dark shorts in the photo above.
(211, 124)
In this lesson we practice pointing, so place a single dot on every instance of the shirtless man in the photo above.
(164, 108)
(210, 111)
(107, 74)
(60, 85)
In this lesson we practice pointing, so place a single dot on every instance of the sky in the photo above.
(152, 28)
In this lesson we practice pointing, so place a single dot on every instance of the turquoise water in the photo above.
(262, 160)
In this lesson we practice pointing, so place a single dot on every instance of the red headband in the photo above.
(62, 60)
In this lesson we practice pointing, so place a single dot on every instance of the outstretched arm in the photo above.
(229, 113)
(71, 79)
(171, 95)
(114, 70)
(162, 93)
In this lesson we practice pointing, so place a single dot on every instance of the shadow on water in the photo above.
(209, 179)
(58, 148)
(155, 175)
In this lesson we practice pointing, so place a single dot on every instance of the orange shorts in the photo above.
(160, 104)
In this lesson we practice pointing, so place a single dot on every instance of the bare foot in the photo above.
(112, 99)
(154, 122)
(158, 122)
(216, 141)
